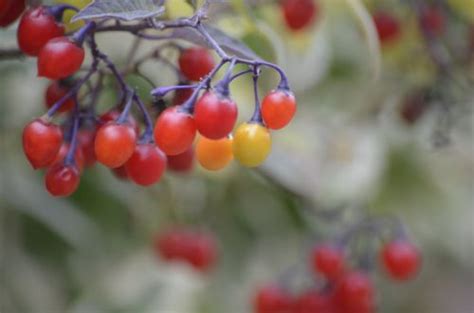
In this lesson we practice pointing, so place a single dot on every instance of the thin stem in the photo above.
(240, 74)
(223, 86)
(148, 134)
(70, 156)
(126, 110)
(257, 114)
(163, 91)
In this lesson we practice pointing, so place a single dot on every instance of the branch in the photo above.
(10, 53)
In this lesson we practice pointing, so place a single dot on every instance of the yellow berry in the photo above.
(252, 144)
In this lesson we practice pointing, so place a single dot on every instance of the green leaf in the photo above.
(127, 10)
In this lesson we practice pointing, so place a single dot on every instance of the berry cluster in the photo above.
(115, 138)
(340, 287)
(195, 248)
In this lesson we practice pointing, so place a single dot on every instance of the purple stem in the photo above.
(223, 86)
(257, 114)
(70, 156)
(148, 134)
(163, 91)
(126, 110)
(82, 33)
(58, 10)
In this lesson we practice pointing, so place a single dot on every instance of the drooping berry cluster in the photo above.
(115, 138)
(342, 286)
(196, 248)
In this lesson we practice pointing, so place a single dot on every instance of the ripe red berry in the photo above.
(215, 115)
(11, 11)
(195, 63)
(388, 27)
(329, 261)
(355, 293)
(114, 114)
(114, 144)
(181, 95)
(174, 131)
(78, 156)
(299, 14)
(433, 20)
(41, 142)
(202, 251)
(272, 299)
(182, 163)
(37, 27)
(313, 302)
(146, 165)
(86, 138)
(57, 90)
(62, 180)
(60, 58)
(401, 259)
(171, 245)
(278, 109)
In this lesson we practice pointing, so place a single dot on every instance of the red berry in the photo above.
(78, 156)
(172, 244)
(202, 251)
(62, 180)
(60, 58)
(313, 302)
(11, 11)
(37, 27)
(401, 260)
(299, 14)
(215, 115)
(114, 114)
(115, 144)
(181, 95)
(271, 299)
(57, 90)
(146, 165)
(388, 27)
(182, 163)
(174, 131)
(195, 63)
(329, 261)
(86, 139)
(278, 109)
(41, 142)
(433, 20)
(355, 293)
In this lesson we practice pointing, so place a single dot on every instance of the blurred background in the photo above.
(384, 128)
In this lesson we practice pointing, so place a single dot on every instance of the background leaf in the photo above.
(127, 10)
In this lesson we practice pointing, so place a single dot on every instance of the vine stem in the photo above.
(148, 134)
(70, 156)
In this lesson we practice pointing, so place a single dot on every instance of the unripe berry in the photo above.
(41, 142)
(174, 131)
(214, 155)
(183, 162)
(278, 109)
(115, 144)
(215, 115)
(62, 180)
(401, 260)
(37, 27)
(195, 63)
(252, 144)
(60, 58)
(146, 165)
(388, 27)
(55, 92)
(329, 261)
(272, 299)
(299, 14)
(12, 10)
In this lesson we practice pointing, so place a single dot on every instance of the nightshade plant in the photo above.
(115, 139)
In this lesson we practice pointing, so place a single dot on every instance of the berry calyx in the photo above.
(195, 63)
(37, 27)
(41, 142)
(214, 155)
(252, 144)
(278, 109)
(272, 299)
(115, 144)
(146, 165)
(62, 180)
(401, 260)
(328, 260)
(60, 58)
(215, 115)
(388, 27)
(56, 91)
(174, 131)
(183, 162)
(12, 10)
(299, 14)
